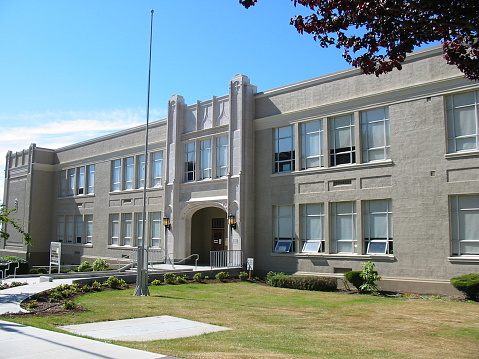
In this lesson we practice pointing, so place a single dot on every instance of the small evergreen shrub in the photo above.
(56, 296)
(115, 283)
(17, 284)
(169, 278)
(95, 286)
(33, 304)
(181, 279)
(100, 264)
(84, 267)
(276, 279)
(42, 271)
(370, 278)
(468, 284)
(222, 276)
(198, 277)
(314, 283)
(354, 278)
(243, 276)
(155, 282)
(69, 305)
(33, 271)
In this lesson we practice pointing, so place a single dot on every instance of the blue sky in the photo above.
(75, 70)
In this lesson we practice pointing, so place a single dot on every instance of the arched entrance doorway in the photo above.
(209, 232)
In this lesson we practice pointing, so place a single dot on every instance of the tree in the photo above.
(377, 35)
(6, 219)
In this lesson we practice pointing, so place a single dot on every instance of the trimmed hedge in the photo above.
(468, 284)
(323, 284)
(23, 268)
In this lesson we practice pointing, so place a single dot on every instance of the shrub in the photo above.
(315, 283)
(95, 286)
(198, 277)
(243, 276)
(23, 267)
(100, 264)
(354, 278)
(84, 267)
(468, 284)
(275, 279)
(17, 284)
(115, 283)
(69, 305)
(181, 279)
(155, 282)
(33, 304)
(169, 278)
(56, 296)
(370, 277)
(42, 271)
(222, 276)
(33, 271)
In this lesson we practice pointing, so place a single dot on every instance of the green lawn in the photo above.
(272, 322)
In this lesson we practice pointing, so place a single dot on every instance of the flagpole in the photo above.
(142, 257)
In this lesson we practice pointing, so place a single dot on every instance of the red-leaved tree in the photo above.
(376, 35)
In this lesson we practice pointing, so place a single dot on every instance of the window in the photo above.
(221, 156)
(312, 144)
(62, 181)
(89, 228)
(343, 227)
(462, 112)
(61, 228)
(375, 131)
(312, 219)
(205, 159)
(71, 182)
(81, 181)
(190, 161)
(70, 228)
(129, 173)
(465, 225)
(342, 142)
(156, 174)
(139, 228)
(114, 229)
(377, 226)
(127, 229)
(140, 171)
(116, 175)
(155, 229)
(75, 229)
(284, 149)
(78, 229)
(90, 170)
(283, 222)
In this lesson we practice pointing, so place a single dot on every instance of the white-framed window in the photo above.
(190, 161)
(342, 140)
(139, 228)
(129, 165)
(115, 229)
(375, 134)
(70, 228)
(312, 228)
(157, 169)
(75, 229)
(71, 181)
(140, 171)
(127, 230)
(79, 229)
(88, 219)
(62, 181)
(116, 175)
(284, 149)
(462, 113)
(205, 159)
(155, 229)
(283, 229)
(378, 226)
(81, 181)
(77, 181)
(221, 156)
(61, 228)
(312, 154)
(343, 227)
(465, 224)
(90, 175)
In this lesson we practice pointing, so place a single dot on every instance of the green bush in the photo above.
(370, 278)
(84, 267)
(33, 304)
(275, 279)
(33, 271)
(243, 276)
(42, 271)
(115, 283)
(222, 276)
(315, 283)
(155, 282)
(100, 264)
(180, 279)
(354, 277)
(169, 278)
(69, 305)
(468, 284)
(95, 286)
(23, 267)
(198, 277)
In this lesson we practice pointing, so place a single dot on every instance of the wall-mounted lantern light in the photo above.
(232, 221)
(166, 222)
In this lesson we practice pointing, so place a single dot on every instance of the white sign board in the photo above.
(249, 263)
(55, 254)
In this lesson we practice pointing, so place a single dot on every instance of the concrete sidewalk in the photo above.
(23, 342)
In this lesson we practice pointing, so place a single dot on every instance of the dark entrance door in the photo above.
(217, 234)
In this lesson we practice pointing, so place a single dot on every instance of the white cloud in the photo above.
(58, 129)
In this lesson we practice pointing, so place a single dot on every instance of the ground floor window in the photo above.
(312, 221)
(284, 238)
(343, 227)
(377, 226)
(465, 224)
(75, 229)
(126, 229)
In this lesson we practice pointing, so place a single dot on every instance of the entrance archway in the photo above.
(209, 232)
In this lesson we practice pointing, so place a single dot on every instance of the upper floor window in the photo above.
(465, 224)
(342, 140)
(221, 156)
(77, 181)
(284, 149)
(462, 112)
(129, 164)
(312, 144)
(140, 171)
(375, 134)
(116, 175)
(377, 226)
(157, 169)
(129, 172)
(205, 159)
(190, 161)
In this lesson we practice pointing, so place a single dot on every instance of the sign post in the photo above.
(249, 267)
(55, 255)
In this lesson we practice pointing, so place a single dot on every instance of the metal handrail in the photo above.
(184, 259)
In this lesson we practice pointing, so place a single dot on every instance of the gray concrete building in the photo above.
(315, 177)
